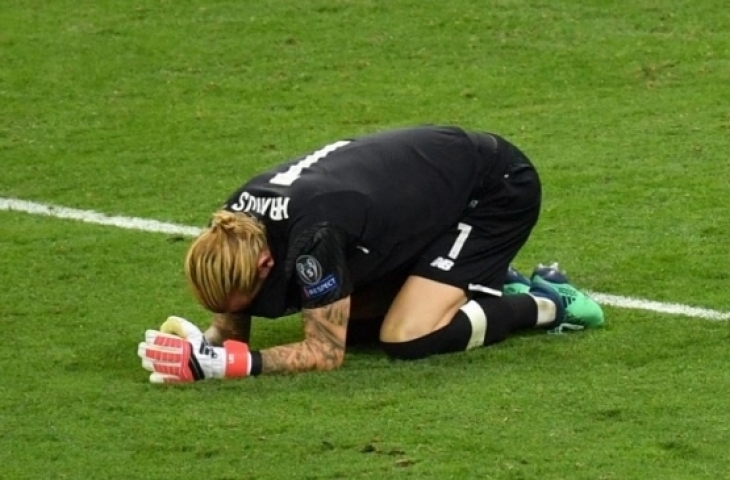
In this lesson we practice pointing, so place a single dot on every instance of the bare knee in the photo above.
(402, 328)
(421, 308)
(405, 322)
(409, 339)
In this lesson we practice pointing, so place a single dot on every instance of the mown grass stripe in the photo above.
(146, 225)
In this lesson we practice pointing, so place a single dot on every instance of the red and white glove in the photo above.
(179, 353)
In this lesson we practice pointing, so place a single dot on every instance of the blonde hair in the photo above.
(224, 259)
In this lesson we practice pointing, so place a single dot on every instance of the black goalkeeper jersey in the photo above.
(354, 210)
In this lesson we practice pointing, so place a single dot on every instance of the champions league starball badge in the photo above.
(309, 271)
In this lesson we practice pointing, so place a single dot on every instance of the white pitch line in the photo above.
(134, 223)
(650, 305)
(90, 216)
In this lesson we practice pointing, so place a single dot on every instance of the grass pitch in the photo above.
(159, 109)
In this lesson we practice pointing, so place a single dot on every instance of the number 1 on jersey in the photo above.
(295, 171)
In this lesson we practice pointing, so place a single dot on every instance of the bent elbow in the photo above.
(334, 362)
(328, 357)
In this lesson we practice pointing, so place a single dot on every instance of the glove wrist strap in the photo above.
(256, 364)
(238, 359)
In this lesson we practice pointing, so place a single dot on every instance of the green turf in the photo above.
(160, 108)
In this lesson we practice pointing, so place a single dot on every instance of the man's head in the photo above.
(228, 262)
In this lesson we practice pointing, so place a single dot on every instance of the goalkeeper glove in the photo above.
(179, 353)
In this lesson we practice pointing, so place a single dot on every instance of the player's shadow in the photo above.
(363, 337)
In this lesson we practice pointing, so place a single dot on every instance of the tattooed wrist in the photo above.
(233, 326)
(323, 347)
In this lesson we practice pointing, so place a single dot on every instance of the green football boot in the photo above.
(515, 283)
(576, 309)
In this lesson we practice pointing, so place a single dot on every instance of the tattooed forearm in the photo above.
(323, 347)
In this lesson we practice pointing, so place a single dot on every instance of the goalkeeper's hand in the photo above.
(179, 353)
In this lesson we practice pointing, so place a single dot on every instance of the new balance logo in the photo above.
(443, 263)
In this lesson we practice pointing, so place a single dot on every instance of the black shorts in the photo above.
(475, 253)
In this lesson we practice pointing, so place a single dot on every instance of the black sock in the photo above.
(505, 315)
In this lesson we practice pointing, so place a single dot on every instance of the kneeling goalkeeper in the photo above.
(409, 231)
